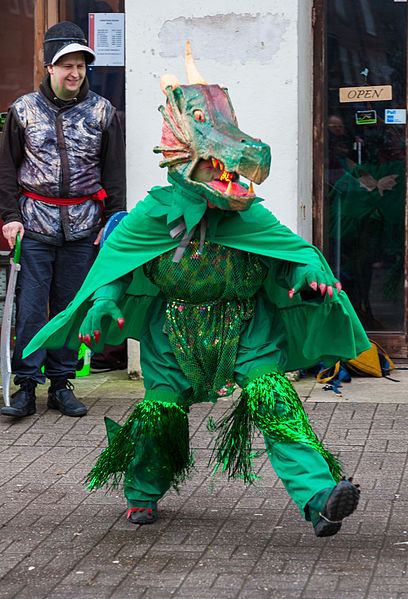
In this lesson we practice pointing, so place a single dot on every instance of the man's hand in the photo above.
(98, 239)
(90, 329)
(10, 232)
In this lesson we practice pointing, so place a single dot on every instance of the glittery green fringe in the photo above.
(161, 425)
(271, 404)
(233, 446)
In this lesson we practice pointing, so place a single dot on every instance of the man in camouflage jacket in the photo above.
(62, 165)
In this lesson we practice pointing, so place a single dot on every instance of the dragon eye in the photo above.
(199, 115)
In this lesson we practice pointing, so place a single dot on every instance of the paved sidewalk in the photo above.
(58, 541)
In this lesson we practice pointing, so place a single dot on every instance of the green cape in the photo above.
(323, 329)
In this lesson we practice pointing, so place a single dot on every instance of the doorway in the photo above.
(16, 58)
(360, 158)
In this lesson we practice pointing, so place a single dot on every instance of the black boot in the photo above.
(62, 398)
(342, 502)
(22, 401)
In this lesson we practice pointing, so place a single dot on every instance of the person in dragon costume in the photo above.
(219, 294)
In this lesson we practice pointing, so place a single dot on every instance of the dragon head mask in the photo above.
(202, 145)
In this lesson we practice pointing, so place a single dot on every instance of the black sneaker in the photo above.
(342, 502)
(22, 401)
(62, 398)
(145, 513)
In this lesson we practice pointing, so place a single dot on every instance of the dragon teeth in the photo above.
(229, 188)
(214, 162)
(250, 188)
(221, 165)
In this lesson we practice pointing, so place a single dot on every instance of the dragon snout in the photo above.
(255, 161)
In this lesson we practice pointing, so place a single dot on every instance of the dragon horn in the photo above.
(193, 76)
(168, 80)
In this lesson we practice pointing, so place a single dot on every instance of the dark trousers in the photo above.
(50, 276)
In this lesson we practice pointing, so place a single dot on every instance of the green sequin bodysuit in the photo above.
(208, 295)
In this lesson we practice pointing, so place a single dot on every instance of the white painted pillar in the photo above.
(262, 51)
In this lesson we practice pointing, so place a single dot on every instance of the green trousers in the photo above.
(302, 470)
(262, 349)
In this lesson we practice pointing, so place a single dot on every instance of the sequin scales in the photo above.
(209, 295)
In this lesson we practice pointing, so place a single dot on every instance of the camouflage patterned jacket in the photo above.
(62, 157)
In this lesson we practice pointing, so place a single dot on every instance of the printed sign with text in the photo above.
(395, 116)
(374, 93)
(107, 38)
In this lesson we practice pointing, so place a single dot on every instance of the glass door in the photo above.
(364, 158)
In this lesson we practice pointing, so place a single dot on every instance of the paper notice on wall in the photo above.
(107, 38)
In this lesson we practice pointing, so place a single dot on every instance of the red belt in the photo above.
(98, 196)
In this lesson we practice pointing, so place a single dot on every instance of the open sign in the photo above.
(375, 93)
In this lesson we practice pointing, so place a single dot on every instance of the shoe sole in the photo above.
(342, 502)
(10, 411)
(140, 519)
(81, 412)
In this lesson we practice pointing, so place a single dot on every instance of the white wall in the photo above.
(261, 50)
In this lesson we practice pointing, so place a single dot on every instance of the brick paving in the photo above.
(215, 540)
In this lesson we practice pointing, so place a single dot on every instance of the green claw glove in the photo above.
(90, 329)
(307, 279)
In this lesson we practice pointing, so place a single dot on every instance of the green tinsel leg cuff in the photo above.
(271, 404)
(161, 425)
(233, 446)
